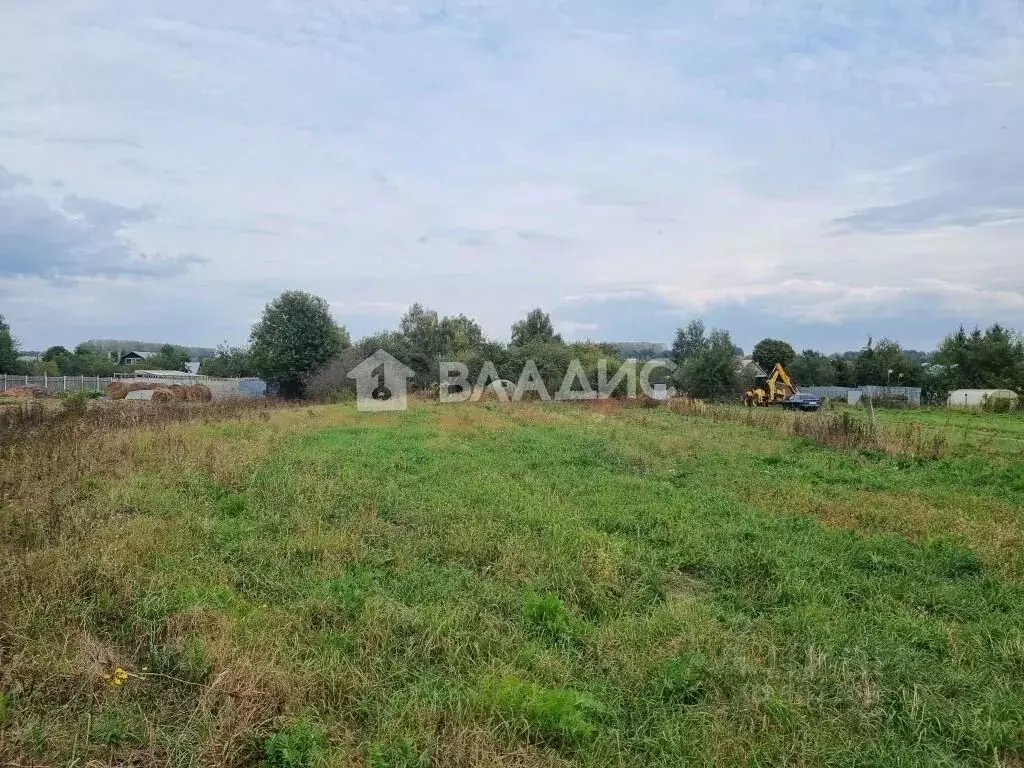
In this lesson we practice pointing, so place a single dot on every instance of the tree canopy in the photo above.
(9, 362)
(768, 352)
(707, 363)
(989, 359)
(295, 337)
(535, 327)
(229, 363)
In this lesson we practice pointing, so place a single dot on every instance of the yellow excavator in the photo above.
(772, 389)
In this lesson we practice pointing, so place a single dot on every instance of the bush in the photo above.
(75, 402)
(331, 383)
(998, 404)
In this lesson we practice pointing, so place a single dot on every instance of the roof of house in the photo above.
(747, 365)
(142, 355)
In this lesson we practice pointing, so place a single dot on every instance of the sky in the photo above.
(818, 170)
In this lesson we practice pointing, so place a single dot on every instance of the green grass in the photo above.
(523, 585)
(993, 434)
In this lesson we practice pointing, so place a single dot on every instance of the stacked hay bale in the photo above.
(29, 391)
(199, 393)
(118, 390)
(162, 395)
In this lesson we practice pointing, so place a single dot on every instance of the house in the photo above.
(133, 358)
(746, 367)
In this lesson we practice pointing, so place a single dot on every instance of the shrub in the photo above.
(998, 404)
(75, 402)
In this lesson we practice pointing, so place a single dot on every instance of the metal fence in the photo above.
(829, 393)
(219, 387)
(908, 396)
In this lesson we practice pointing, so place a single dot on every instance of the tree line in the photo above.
(297, 345)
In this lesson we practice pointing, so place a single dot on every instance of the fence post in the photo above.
(45, 382)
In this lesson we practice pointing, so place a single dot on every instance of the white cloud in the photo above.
(485, 157)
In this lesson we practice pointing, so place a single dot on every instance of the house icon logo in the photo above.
(381, 383)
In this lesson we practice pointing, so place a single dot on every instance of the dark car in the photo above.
(803, 401)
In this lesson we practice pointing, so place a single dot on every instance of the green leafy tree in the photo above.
(421, 328)
(460, 334)
(84, 361)
(689, 341)
(768, 352)
(993, 359)
(295, 337)
(9, 362)
(54, 354)
(885, 363)
(169, 358)
(842, 371)
(229, 363)
(535, 327)
(711, 370)
(812, 369)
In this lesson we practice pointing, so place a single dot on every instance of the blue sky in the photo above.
(824, 171)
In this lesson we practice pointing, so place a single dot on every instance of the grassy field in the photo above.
(513, 585)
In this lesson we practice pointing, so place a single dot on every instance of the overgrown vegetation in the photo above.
(528, 585)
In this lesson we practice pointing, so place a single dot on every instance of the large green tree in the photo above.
(990, 359)
(885, 363)
(689, 341)
(9, 362)
(535, 327)
(707, 364)
(295, 337)
(229, 363)
(768, 352)
(169, 358)
(812, 369)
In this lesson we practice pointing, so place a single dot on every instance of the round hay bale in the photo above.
(116, 390)
(199, 393)
(134, 386)
(162, 396)
(178, 390)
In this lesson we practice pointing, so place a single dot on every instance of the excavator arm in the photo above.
(772, 389)
(780, 385)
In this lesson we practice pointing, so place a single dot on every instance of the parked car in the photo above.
(802, 401)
